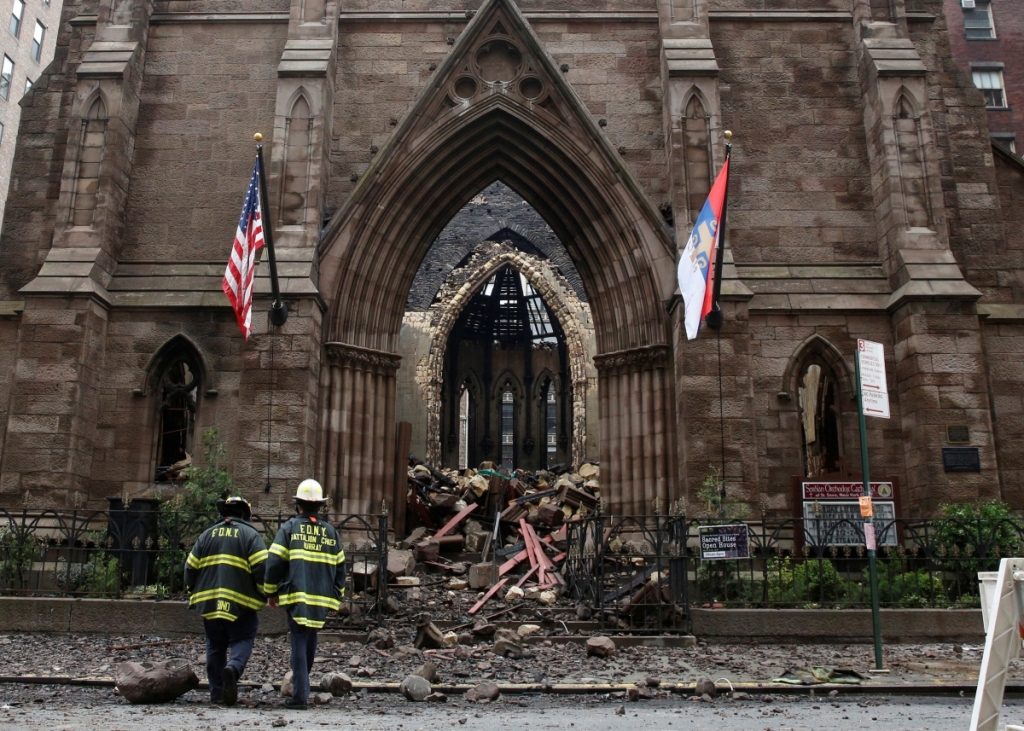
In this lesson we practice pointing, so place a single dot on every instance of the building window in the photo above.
(16, 14)
(179, 388)
(1006, 139)
(978, 22)
(507, 429)
(820, 420)
(990, 83)
(6, 75)
(1, 133)
(551, 424)
(37, 41)
(464, 429)
(28, 85)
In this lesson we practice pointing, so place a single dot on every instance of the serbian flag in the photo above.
(696, 275)
(238, 278)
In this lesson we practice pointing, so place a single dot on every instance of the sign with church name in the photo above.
(832, 513)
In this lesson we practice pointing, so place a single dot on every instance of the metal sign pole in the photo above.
(869, 522)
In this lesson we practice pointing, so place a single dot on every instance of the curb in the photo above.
(922, 689)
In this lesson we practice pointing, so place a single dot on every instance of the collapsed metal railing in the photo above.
(130, 553)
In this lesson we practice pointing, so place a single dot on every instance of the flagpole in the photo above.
(715, 318)
(278, 310)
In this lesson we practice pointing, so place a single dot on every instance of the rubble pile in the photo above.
(516, 523)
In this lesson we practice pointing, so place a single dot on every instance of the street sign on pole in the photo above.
(872, 400)
(871, 381)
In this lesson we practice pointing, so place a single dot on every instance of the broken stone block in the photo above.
(458, 584)
(483, 628)
(337, 684)
(507, 648)
(436, 698)
(427, 551)
(415, 688)
(547, 597)
(483, 691)
(155, 682)
(408, 581)
(479, 576)
(600, 647)
(322, 699)
(532, 593)
(427, 671)
(706, 686)
(286, 685)
(589, 471)
(429, 636)
(527, 629)
(450, 639)
(364, 575)
(381, 638)
(551, 515)
(466, 638)
(475, 541)
(401, 563)
(413, 538)
(513, 594)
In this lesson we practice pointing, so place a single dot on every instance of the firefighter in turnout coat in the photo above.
(224, 573)
(306, 576)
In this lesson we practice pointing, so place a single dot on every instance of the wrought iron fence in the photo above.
(823, 563)
(131, 553)
(632, 572)
(628, 569)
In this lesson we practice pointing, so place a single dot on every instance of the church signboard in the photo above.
(833, 515)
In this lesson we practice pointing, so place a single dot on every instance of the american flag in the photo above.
(238, 277)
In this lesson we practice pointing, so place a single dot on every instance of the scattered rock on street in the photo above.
(415, 688)
(336, 683)
(286, 685)
(620, 711)
(155, 682)
(706, 686)
(322, 699)
(436, 698)
(514, 593)
(527, 629)
(427, 671)
(482, 692)
(600, 647)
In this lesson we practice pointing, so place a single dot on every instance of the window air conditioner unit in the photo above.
(967, 4)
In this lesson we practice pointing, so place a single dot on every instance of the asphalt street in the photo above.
(60, 709)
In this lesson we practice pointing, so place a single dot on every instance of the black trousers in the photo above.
(224, 638)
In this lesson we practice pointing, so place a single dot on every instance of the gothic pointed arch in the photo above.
(821, 384)
(913, 168)
(498, 108)
(175, 380)
(544, 281)
(295, 176)
(697, 161)
(85, 194)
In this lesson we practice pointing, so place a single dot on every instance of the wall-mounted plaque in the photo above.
(961, 459)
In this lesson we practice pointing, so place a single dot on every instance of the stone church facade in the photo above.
(421, 153)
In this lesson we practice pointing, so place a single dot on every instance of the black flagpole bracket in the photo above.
(278, 310)
(716, 318)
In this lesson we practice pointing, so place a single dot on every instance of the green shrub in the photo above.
(18, 550)
(986, 528)
(811, 581)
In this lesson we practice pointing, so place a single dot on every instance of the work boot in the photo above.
(294, 704)
(230, 677)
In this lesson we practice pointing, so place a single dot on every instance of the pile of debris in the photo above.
(510, 520)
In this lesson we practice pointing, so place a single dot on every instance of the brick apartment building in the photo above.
(987, 41)
(27, 39)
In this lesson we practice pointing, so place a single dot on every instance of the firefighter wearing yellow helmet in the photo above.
(305, 575)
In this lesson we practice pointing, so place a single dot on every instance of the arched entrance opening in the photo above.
(533, 133)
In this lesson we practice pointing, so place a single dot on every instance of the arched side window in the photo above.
(696, 139)
(295, 177)
(508, 429)
(464, 429)
(90, 159)
(178, 392)
(913, 171)
(550, 425)
(820, 418)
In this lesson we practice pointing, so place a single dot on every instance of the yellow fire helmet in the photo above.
(310, 492)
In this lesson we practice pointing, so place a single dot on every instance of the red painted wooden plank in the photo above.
(457, 519)
(490, 592)
(526, 576)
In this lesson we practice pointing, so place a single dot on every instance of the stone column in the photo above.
(356, 458)
(637, 424)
